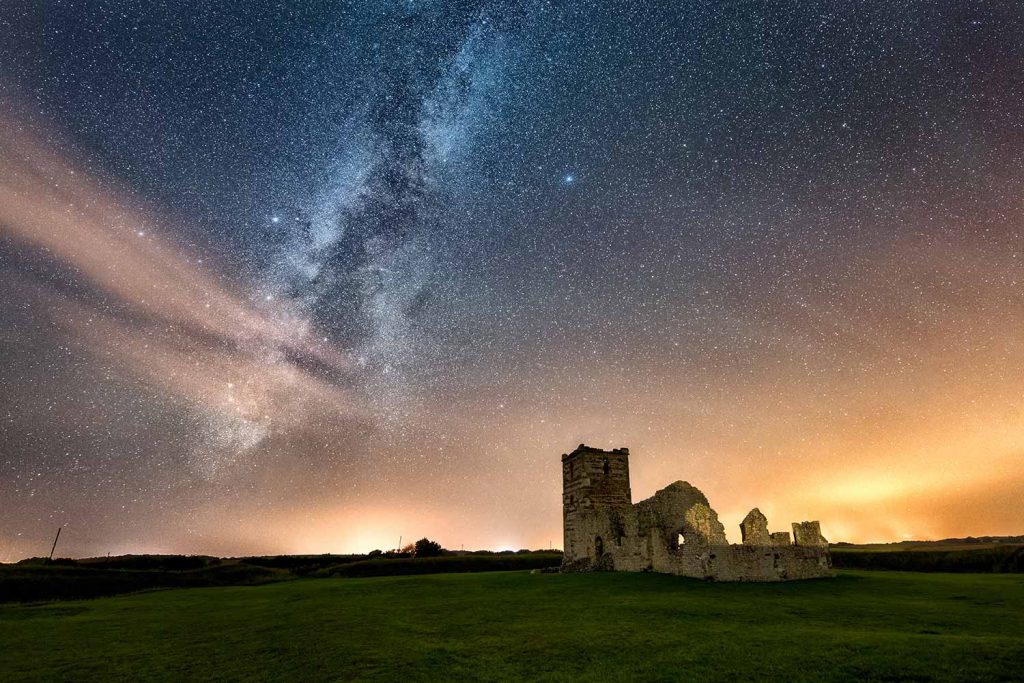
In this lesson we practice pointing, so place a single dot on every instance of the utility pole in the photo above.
(54, 547)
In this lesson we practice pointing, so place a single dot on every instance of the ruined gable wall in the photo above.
(754, 529)
(680, 509)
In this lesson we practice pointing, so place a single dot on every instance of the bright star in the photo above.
(569, 178)
(275, 219)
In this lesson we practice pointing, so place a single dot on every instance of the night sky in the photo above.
(306, 277)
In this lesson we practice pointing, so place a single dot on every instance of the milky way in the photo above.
(306, 279)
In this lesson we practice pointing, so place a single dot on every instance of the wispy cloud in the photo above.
(163, 313)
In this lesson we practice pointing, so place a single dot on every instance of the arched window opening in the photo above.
(598, 546)
(680, 541)
(606, 466)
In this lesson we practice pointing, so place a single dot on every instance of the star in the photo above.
(474, 221)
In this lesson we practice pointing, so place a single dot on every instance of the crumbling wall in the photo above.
(808, 534)
(675, 531)
(754, 529)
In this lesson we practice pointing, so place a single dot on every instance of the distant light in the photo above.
(275, 219)
(569, 179)
(141, 233)
(269, 297)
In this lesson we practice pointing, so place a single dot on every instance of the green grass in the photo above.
(500, 626)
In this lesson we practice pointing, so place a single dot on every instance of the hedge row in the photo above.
(443, 565)
(997, 559)
(33, 583)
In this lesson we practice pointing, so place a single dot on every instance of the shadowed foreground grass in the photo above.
(860, 626)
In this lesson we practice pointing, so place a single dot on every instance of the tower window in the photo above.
(606, 466)
(598, 546)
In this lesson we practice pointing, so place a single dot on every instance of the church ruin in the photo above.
(675, 531)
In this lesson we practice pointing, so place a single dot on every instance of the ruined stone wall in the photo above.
(808, 534)
(675, 531)
(754, 529)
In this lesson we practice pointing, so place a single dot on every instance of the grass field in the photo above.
(517, 625)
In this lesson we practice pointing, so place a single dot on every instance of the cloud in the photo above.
(247, 366)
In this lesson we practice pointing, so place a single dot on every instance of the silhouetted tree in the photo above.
(427, 548)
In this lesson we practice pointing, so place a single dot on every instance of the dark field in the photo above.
(500, 626)
(932, 557)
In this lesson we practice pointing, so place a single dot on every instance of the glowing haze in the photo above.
(308, 280)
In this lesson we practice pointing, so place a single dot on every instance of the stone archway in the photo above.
(676, 539)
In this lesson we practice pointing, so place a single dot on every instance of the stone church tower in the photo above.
(592, 479)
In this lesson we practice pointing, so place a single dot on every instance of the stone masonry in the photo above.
(675, 531)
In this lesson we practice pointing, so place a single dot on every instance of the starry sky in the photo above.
(307, 277)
